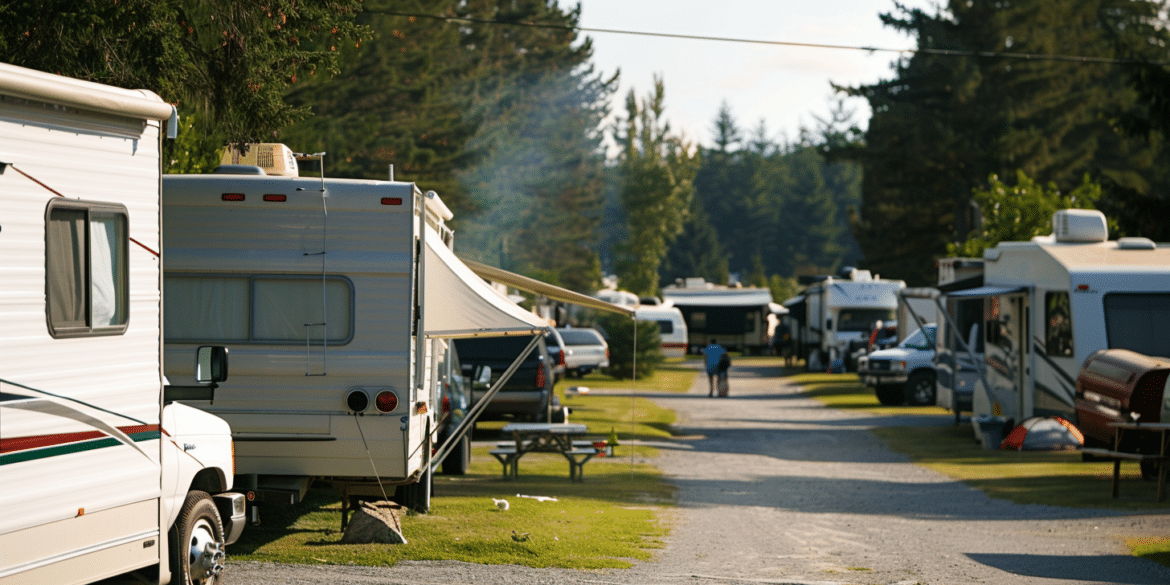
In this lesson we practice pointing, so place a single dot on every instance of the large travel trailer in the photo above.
(671, 326)
(735, 317)
(337, 298)
(101, 474)
(839, 314)
(1050, 303)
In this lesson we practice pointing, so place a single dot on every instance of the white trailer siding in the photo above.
(286, 400)
(78, 504)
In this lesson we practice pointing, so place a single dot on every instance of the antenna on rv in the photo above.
(391, 171)
(324, 324)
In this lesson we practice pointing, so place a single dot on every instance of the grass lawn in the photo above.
(673, 375)
(619, 513)
(1058, 478)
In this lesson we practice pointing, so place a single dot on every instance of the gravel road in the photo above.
(775, 488)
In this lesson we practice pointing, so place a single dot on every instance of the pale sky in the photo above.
(785, 86)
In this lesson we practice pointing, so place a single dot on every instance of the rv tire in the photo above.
(459, 458)
(197, 542)
(890, 395)
(920, 389)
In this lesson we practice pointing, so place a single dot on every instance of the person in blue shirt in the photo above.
(713, 352)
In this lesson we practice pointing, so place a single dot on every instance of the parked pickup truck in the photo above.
(905, 373)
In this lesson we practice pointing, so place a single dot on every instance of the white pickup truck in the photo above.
(904, 373)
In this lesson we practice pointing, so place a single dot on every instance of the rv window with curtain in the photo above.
(1057, 325)
(87, 282)
(258, 309)
(1133, 321)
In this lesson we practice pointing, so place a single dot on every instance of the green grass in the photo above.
(1156, 549)
(619, 513)
(846, 392)
(671, 376)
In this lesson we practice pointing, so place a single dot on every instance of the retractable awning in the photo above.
(986, 291)
(460, 304)
(542, 288)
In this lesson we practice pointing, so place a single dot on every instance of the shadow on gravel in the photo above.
(949, 500)
(1094, 569)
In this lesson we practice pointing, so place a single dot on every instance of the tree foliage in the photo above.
(945, 122)
(657, 183)
(629, 359)
(227, 61)
(1017, 213)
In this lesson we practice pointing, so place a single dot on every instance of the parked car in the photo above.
(904, 373)
(556, 353)
(585, 350)
(528, 394)
(456, 401)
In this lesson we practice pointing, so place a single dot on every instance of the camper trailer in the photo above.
(337, 298)
(1050, 303)
(735, 317)
(102, 475)
(671, 326)
(839, 314)
(959, 351)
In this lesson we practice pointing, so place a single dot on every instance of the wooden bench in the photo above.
(506, 454)
(578, 456)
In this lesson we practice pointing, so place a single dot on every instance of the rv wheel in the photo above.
(459, 458)
(920, 389)
(197, 546)
(890, 395)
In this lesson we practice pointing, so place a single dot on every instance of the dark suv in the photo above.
(528, 393)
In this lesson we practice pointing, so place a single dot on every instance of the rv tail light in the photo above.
(232, 197)
(357, 401)
(1082, 287)
(541, 377)
(391, 201)
(386, 401)
(276, 198)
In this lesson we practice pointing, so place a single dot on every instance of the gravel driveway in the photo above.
(775, 488)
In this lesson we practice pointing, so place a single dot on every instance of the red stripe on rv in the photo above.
(37, 442)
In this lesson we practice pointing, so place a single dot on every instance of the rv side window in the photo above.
(258, 309)
(1057, 324)
(1134, 321)
(87, 283)
(665, 326)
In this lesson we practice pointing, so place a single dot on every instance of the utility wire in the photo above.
(942, 52)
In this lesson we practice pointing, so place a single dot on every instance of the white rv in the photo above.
(671, 326)
(1051, 302)
(735, 317)
(99, 475)
(840, 313)
(337, 298)
(959, 342)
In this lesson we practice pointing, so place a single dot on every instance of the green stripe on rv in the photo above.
(79, 447)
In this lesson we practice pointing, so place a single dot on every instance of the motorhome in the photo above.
(338, 299)
(838, 314)
(1050, 303)
(735, 317)
(103, 475)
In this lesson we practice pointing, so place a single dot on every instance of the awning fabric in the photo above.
(458, 303)
(986, 291)
(542, 288)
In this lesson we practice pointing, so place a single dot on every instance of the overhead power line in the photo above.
(943, 52)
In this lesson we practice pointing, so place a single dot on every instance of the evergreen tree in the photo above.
(229, 62)
(657, 184)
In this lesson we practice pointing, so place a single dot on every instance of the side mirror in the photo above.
(211, 364)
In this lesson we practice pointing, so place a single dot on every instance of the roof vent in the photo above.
(275, 159)
(1136, 244)
(1079, 225)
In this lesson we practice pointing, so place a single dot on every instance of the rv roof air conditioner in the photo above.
(1079, 225)
(275, 159)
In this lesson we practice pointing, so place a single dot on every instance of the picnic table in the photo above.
(548, 438)
(1117, 455)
